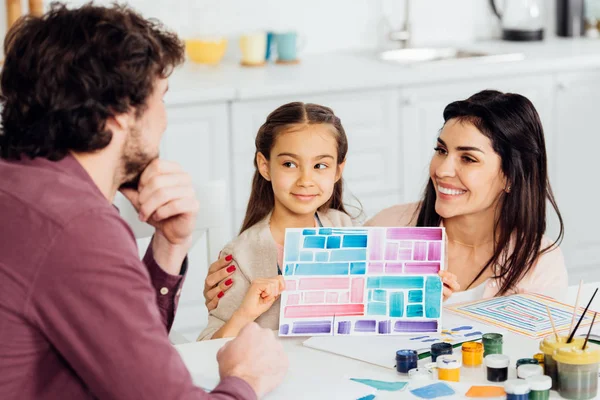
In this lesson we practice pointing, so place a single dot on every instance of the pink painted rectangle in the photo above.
(420, 252)
(324, 310)
(293, 299)
(357, 290)
(435, 251)
(405, 254)
(391, 251)
(314, 297)
(290, 285)
(376, 242)
(331, 297)
(393, 268)
(375, 268)
(405, 244)
(344, 297)
(422, 268)
(323, 283)
(414, 233)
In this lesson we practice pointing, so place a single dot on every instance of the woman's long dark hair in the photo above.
(513, 126)
(262, 199)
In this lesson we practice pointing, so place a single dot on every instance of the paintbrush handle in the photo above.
(589, 331)
(570, 339)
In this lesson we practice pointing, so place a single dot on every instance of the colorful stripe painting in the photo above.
(524, 314)
(362, 281)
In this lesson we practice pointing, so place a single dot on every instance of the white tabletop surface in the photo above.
(316, 374)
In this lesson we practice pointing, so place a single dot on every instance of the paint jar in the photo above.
(420, 374)
(516, 389)
(440, 349)
(472, 354)
(406, 360)
(523, 361)
(448, 367)
(540, 387)
(540, 359)
(548, 346)
(497, 367)
(578, 372)
(528, 370)
(492, 344)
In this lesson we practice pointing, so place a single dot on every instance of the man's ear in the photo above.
(263, 166)
(119, 124)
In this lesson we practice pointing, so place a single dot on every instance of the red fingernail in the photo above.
(231, 268)
(229, 258)
(228, 282)
(220, 295)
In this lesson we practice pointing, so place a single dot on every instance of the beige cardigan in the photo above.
(255, 256)
(548, 275)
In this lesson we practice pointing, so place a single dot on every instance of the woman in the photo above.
(488, 187)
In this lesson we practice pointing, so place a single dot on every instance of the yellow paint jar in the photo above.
(548, 346)
(448, 367)
(472, 354)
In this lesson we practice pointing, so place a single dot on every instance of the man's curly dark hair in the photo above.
(66, 72)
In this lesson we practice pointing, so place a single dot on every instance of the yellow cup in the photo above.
(205, 51)
(254, 48)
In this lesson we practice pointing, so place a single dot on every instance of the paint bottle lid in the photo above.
(497, 361)
(492, 338)
(420, 374)
(540, 383)
(472, 347)
(448, 362)
(524, 361)
(577, 356)
(549, 344)
(406, 355)
(528, 370)
(516, 386)
(441, 348)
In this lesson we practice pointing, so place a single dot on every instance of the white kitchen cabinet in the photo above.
(370, 118)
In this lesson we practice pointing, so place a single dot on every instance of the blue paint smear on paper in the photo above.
(433, 391)
(369, 397)
(382, 385)
(461, 328)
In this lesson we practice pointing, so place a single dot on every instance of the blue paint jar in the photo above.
(406, 360)
(440, 349)
(516, 389)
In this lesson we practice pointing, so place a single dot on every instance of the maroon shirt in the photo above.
(80, 315)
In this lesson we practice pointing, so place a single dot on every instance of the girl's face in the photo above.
(302, 168)
(466, 171)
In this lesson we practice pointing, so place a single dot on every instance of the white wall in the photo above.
(328, 25)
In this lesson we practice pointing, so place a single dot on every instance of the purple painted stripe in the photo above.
(415, 326)
(391, 251)
(376, 242)
(344, 327)
(311, 327)
(420, 253)
(414, 233)
(384, 327)
(435, 251)
(365, 326)
(421, 267)
(405, 254)
(393, 268)
(284, 329)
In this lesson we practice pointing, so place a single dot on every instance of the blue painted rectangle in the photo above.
(365, 326)
(415, 296)
(370, 295)
(395, 282)
(344, 327)
(414, 310)
(358, 268)
(354, 241)
(376, 308)
(349, 255)
(310, 327)
(379, 295)
(306, 256)
(396, 304)
(333, 242)
(314, 242)
(325, 231)
(322, 256)
(308, 232)
(415, 326)
(433, 297)
(292, 246)
(322, 269)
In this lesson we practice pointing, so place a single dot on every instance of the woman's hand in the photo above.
(217, 281)
(450, 282)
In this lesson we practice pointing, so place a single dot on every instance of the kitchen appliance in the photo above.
(521, 20)
(570, 18)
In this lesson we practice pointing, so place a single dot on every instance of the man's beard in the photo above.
(134, 159)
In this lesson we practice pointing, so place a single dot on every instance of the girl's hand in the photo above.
(260, 297)
(450, 283)
(218, 281)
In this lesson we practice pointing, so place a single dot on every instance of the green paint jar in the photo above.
(524, 361)
(540, 387)
(492, 344)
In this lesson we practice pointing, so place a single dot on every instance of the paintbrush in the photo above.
(552, 322)
(590, 331)
(576, 306)
(570, 339)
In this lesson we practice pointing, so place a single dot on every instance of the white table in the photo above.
(315, 374)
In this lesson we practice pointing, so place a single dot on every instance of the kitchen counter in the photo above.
(363, 70)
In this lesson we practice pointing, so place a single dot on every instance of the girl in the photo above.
(300, 156)
(489, 188)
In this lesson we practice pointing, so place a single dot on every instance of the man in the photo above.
(80, 315)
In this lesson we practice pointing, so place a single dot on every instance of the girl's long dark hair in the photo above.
(262, 200)
(513, 126)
